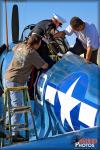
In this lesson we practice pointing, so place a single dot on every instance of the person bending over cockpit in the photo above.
(87, 41)
(46, 29)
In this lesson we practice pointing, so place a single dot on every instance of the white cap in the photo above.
(59, 18)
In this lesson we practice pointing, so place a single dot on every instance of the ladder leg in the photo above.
(33, 120)
(4, 117)
(26, 125)
(9, 117)
(25, 115)
(2, 141)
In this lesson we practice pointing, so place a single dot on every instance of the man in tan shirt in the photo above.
(25, 57)
(21, 66)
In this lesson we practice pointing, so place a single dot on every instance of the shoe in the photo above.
(2, 135)
(18, 138)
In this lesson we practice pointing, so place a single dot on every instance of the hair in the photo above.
(33, 39)
(75, 22)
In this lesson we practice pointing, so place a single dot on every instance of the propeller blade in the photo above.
(15, 24)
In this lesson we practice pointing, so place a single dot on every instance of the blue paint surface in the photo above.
(61, 142)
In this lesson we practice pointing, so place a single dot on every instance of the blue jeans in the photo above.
(16, 98)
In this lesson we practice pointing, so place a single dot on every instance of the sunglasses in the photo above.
(60, 24)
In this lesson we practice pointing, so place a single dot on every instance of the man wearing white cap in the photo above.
(46, 29)
(48, 26)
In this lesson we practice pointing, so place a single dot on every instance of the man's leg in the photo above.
(16, 98)
(16, 101)
(78, 48)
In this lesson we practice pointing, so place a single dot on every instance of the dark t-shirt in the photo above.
(22, 62)
(43, 27)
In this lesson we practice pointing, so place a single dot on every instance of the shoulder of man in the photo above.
(51, 24)
(89, 24)
(90, 27)
(19, 45)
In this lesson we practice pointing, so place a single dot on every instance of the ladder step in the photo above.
(18, 125)
(21, 109)
(18, 129)
(23, 141)
(16, 88)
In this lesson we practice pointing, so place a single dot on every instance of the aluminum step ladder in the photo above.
(22, 109)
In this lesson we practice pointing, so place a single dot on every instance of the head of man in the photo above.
(77, 24)
(58, 20)
(34, 41)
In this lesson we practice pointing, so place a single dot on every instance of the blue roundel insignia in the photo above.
(70, 105)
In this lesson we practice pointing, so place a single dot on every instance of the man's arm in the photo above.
(68, 31)
(88, 54)
(45, 66)
(37, 61)
(89, 48)
(52, 31)
(59, 34)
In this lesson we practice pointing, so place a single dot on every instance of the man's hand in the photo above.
(87, 61)
(45, 66)
(59, 34)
